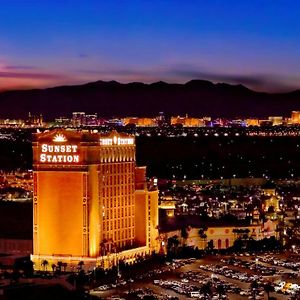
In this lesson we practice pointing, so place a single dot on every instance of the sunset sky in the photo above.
(47, 43)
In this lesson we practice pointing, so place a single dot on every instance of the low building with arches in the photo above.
(221, 234)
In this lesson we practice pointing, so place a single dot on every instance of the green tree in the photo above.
(206, 289)
(202, 234)
(220, 290)
(64, 266)
(254, 287)
(80, 265)
(210, 245)
(173, 243)
(45, 264)
(184, 233)
(53, 266)
(268, 287)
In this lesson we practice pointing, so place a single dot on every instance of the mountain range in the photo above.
(114, 99)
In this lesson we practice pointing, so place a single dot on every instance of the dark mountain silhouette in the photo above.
(108, 99)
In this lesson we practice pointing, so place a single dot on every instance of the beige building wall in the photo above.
(223, 237)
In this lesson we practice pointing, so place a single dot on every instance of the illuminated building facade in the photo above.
(141, 122)
(295, 117)
(187, 121)
(276, 120)
(252, 122)
(90, 199)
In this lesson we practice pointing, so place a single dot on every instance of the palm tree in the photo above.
(184, 234)
(44, 264)
(210, 245)
(59, 265)
(268, 287)
(254, 286)
(80, 265)
(103, 247)
(206, 288)
(202, 234)
(173, 243)
(64, 266)
(53, 266)
(220, 290)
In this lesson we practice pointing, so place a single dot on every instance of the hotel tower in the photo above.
(91, 202)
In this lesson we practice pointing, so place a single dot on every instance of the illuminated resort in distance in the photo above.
(91, 202)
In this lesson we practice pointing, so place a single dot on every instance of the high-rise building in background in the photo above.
(91, 200)
(78, 119)
(295, 117)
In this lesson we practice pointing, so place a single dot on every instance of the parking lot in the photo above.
(215, 277)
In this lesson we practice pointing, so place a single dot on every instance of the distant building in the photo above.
(34, 120)
(167, 206)
(187, 121)
(295, 117)
(276, 120)
(140, 122)
(78, 119)
(252, 122)
(269, 197)
(62, 121)
(91, 120)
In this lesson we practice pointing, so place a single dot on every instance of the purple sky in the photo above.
(47, 43)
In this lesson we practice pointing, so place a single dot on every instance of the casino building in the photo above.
(91, 202)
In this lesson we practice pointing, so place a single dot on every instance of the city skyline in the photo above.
(52, 43)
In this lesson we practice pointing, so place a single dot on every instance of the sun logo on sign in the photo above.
(59, 138)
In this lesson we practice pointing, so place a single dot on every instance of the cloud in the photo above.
(236, 78)
(19, 67)
(29, 75)
(116, 72)
(263, 82)
(83, 55)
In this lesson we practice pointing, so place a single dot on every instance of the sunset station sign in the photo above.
(66, 153)
(116, 141)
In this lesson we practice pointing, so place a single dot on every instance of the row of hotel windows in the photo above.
(117, 168)
(120, 235)
(110, 181)
(118, 201)
(113, 154)
(118, 213)
(116, 190)
(117, 179)
(118, 224)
